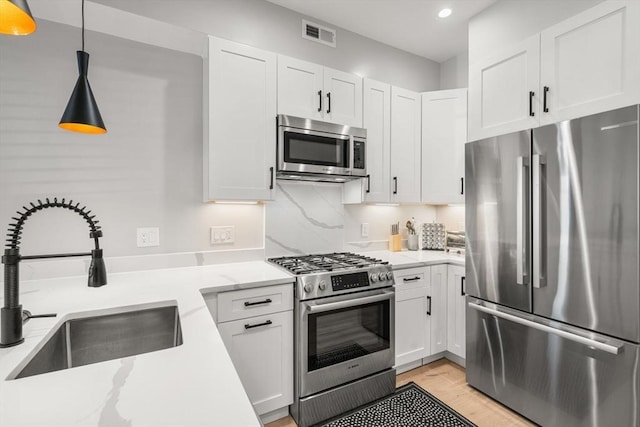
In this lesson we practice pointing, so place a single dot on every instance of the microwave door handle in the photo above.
(351, 154)
(330, 306)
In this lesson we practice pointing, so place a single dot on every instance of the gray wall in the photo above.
(510, 21)
(454, 73)
(146, 172)
(268, 26)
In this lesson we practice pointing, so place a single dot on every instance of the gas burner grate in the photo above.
(309, 264)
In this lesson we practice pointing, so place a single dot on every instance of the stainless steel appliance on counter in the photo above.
(312, 150)
(553, 305)
(344, 333)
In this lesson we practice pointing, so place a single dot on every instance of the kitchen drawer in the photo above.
(412, 278)
(236, 305)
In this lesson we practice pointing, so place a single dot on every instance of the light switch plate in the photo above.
(364, 229)
(148, 237)
(223, 234)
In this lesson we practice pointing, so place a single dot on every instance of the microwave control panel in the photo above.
(344, 282)
(358, 154)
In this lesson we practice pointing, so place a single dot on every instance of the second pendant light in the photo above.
(82, 114)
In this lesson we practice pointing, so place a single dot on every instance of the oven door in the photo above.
(344, 338)
(310, 151)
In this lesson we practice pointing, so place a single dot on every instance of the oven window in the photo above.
(315, 150)
(345, 334)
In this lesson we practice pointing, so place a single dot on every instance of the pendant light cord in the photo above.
(83, 25)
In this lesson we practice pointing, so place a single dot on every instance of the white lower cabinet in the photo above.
(412, 319)
(261, 348)
(456, 310)
(430, 317)
(438, 309)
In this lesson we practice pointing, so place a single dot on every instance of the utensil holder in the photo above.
(395, 243)
(412, 242)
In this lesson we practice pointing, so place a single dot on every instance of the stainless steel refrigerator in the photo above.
(553, 305)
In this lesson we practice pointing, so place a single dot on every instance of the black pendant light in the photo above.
(82, 114)
(16, 18)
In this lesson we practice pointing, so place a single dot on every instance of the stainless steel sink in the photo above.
(93, 339)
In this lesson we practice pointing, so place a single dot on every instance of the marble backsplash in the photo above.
(305, 218)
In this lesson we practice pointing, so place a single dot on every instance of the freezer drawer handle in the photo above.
(613, 349)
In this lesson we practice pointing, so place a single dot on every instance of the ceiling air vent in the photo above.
(318, 33)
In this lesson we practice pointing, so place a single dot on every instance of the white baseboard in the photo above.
(272, 416)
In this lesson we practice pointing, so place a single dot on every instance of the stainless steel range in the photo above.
(344, 333)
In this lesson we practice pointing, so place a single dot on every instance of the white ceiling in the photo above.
(411, 25)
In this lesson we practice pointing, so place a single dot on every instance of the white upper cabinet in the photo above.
(343, 92)
(444, 134)
(405, 146)
(503, 88)
(300, 88)
(584, 65)
(315, 92)
(591, 62)
(239, 120)
(375, 188)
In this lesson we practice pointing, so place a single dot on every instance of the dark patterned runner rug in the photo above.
(409, 406)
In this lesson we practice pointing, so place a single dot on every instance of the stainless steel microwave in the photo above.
(319, 151)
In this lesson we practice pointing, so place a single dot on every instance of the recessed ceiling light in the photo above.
(444, 13)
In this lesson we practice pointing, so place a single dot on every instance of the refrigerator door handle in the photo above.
(521, 221)
(610, 346)
(537, 166)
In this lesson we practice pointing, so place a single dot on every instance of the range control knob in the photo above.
(374, 277)
(382, 277)
(323, 285)
(390, 275)
(308, 288)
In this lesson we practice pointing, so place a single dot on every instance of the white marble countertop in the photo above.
(409, 259)
(194, 384)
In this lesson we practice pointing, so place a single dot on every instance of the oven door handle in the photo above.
(329, 306)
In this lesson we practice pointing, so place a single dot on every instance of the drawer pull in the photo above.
(257, 325)
(249, 304)
(411, 279)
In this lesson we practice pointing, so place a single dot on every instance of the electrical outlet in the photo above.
(148, 236)
(223, 235)
(364, 229)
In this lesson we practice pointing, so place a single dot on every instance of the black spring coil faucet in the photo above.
(11, 315)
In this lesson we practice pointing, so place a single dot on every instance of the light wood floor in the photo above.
(446, 381)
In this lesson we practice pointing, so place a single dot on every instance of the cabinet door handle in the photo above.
(319, 101)
(257, 325)
(411, 279)
(462, 291)
(329, 104)
(531, 94)
(368, 184)
(462, 185)
(544, 99)
(271, 171)
(428, 306)
(249, 304)
(395, 185)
